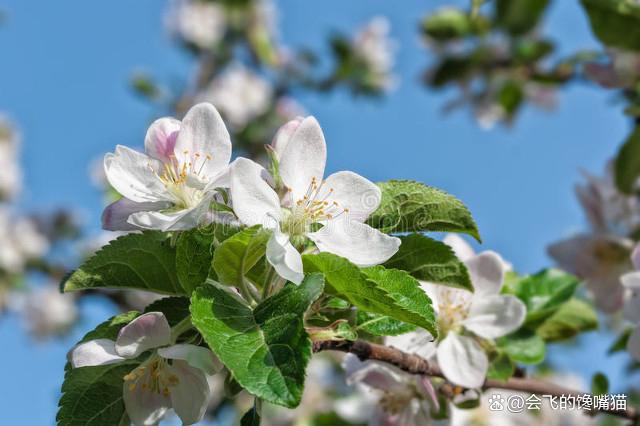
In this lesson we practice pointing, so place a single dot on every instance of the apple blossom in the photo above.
(631, 311)
(372, 45)
(172, 185)
(340, 204)
(202, 23)
(10, 174)
(173, 376)
(464, 318)
(46, 311)
(622, 71)
(20, 241)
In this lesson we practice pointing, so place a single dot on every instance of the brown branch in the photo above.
(416, 365)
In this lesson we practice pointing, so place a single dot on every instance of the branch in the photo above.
(414, 364)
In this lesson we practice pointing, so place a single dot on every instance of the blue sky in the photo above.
(64, 81)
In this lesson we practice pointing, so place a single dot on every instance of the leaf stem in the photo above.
(178, 329)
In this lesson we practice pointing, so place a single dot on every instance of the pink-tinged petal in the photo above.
(462, 361)
(133, 175)
(254, 201)
(115, 216)
(633, 344)
(150, 330)
(203, 132)
(635, 257)
(179, 220)
(190, 396)
(351, 191)
(196, 356)
(589, 256)
(94, 352)
(304, 158)
(358, 242)
(375, 375)
(486, 271)
(161, 137)
(284, 257)
(494, 316)
(145, 407)
(425, 387)
(284, 134)
(461, 248)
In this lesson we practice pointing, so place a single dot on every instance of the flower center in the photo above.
(152, 376)
(453, 308)
(184, 180)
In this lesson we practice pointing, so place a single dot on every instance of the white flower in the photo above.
(10, 174)
(373, 46)
(403, 399)
(171, 186)
(202, 23)
(464, 318)
(340, 204)
(157, 384)
(240, 94)
(622, 71)
(20, 241)
(631, 282)
(46, 311)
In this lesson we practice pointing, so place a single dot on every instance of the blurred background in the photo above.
(80, 77)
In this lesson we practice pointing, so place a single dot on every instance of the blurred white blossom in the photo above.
(622, 70)
(46, 311)
(202, 23)
(373, 46)
(10, 173)
(631, 282)
(20, 241)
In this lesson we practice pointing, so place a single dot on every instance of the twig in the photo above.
(416, 365)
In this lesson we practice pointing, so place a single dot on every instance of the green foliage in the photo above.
(501, 367)
(267, 348)
(450, 24)
(388, 292)
(251, 418)
(409, 206)
(175, 309)
(523, 346)
(570, 319)
(519, 16)
(140, 261)
(620, 344)
(430, 260)
(615, 22)
(381, 325)
(627, 162)
(599, 384)
(238, 255)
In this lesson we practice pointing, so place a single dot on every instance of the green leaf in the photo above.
(599, 384)
(175, 309)
(389, 292)
(572, 318)
(251, 418)
(141, 261)
(615, 22)
(267, 348)
(193, 258)
(543, 293)
(449, 23)
(519, 16)
(409, 206)
(620, 344)
(381, 325)
(501, 368)
(523, 346)
(627, 163)
(430, 260)
(236, 256)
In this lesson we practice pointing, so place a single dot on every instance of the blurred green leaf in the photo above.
(599, 384)
(616, 23)
(627, 163)
(572, 318)
(518, 17)
(523, 346)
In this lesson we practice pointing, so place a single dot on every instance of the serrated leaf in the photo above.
(409, 206)
(627, 163)
(236, 256)
(267, 348)
(389, 292)
(193, 258)
(430, 260)
(572, 318)
(140, 261)
(175, 309)
(381, 325)
(523, 346)
(615, 22)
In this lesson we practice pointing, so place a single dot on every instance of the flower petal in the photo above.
(284, 134)
(203, 132)
(144, 407)
(495, 315)
(633, 344)
(195, 356)
(94, 352)
(190, 396)
(116, 214)
(160, 140)
(462, 361)
(132, 174)
(303, 158)
(358, 242)
(373, 374)
(486, 272)
(635, 257)
(254, 201)
(418, 342)
(631, 280)
(284, 257)
(178, 220)
(149, 330)
(461, 248)
(351, 191)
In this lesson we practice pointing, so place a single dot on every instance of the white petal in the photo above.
(195, 356)
(419, 342)
(373, 374)
(203, 132)
(284, 257)
(352, 191)
(635, 257)
(284, 134)
(149, 330)
(587, 256)
(144, 407)
(495, 316)
(161, 137)
(190, 396)
(462, 361)
(358, 242)
(461, 248)
(631, 280)
(116, 214)
(486, 272)
(254, 201)
(178, 220)
(94, 352)
(633, 344)
(132, 174)
(303, 158)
